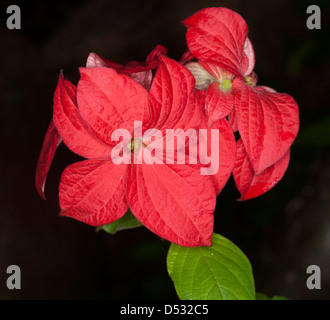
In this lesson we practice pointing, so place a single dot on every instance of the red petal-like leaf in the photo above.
(232, 120)
(132, 69)
(217, 35)
(156, 53)
(219, 103)
(51, 142)
(141, 72)
(248, 60)
(172, 97)
(173, 201)
(216, 72)
(96, 61)
(267, 122)
(186, 57)
(93, 191)
(251, 185)
(226, 146)
(109, 101)
(151, 63)
(144, 78)
(73, 129)
(271, 90)
(222, 152)
(227, 152)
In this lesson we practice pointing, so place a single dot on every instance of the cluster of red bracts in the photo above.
(212, 87)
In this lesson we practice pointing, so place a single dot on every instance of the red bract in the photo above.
(248, 182)
(224, 153)
(139, 71)
(267, 121)
(51, 142)
(172, 200)
(217, 36)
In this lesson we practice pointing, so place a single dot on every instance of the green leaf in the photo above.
(219, 272)
(262, 296)
(128, 221)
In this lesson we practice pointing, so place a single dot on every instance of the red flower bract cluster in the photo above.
(212, 90)
(221, 57)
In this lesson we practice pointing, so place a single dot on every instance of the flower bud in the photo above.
(202, 77)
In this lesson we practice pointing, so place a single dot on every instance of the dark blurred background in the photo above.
(281, 232)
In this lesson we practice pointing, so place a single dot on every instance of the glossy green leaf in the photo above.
(219, 272)
(128, 221)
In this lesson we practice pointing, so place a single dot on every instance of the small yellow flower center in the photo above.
(226, 85)
(250, 81)
(135, 144)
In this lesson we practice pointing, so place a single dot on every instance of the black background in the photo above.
(281, 232)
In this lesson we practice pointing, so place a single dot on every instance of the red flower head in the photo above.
(267, 121)
(173, 200)
(215, 91)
